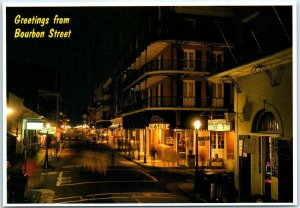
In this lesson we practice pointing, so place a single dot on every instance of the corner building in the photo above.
(165, 90)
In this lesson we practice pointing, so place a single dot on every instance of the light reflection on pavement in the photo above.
(93, 161)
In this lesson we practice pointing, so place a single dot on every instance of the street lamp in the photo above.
(46, 153)
(197, 125)
(9, 111)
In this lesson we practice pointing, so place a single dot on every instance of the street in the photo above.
(88, 173)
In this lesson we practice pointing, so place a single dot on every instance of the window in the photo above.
(265, 121)
(213, 137)
(189, 59)
(218, 95)
(220, 140)
(188, 93)
(217, 140)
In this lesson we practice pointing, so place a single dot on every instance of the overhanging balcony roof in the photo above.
(148, 54)
(154, 49)
(271, 62)
(217, 11)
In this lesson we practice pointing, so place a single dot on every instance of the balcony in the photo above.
(169, 66)
(165, 102)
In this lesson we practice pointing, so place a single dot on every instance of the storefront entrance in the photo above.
(264, 158)
(264, 167)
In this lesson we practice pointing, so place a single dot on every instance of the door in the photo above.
(189, 59)
(264, 168)
(257, 164)
(218, 95)
(189, 93)
(217, 144)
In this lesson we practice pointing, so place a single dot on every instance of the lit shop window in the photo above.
(217, 140)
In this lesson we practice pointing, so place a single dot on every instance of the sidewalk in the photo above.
(34, 167)
(187, 188)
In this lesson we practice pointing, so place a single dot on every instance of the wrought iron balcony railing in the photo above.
(172, 65)
(169, 102)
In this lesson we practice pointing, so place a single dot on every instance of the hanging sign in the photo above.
(249, 146)
(219, 125)
(34, 125)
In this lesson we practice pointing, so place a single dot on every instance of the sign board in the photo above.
(34, 125)
(202, 138)
(219, 125)
(249, 146)
(159, 126)
(48, 130)
(170, 141)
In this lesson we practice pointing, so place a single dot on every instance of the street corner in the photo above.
(39, 195)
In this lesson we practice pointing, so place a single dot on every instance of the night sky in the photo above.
(71, 66)
(99, 38)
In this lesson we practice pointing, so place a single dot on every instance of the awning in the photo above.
(11, 135)
(115, 126)
(143, 119)
(186, 118)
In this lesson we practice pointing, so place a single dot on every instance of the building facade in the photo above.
(167, 78)
(263, 113)
(165, 90)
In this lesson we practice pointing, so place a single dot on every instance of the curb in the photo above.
(190, 194)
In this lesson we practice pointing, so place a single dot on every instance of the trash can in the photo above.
(216, 188)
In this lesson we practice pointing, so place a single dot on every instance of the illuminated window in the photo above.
(220, 140)
(217, 140)
(213, 137)
(189, 59)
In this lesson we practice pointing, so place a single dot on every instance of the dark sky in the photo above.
(70, 66)
(99, 38)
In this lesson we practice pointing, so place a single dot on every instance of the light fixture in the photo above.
(9, 111)
(230, 116)
(197, 125)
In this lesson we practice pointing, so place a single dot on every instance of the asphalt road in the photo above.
(100, 175)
